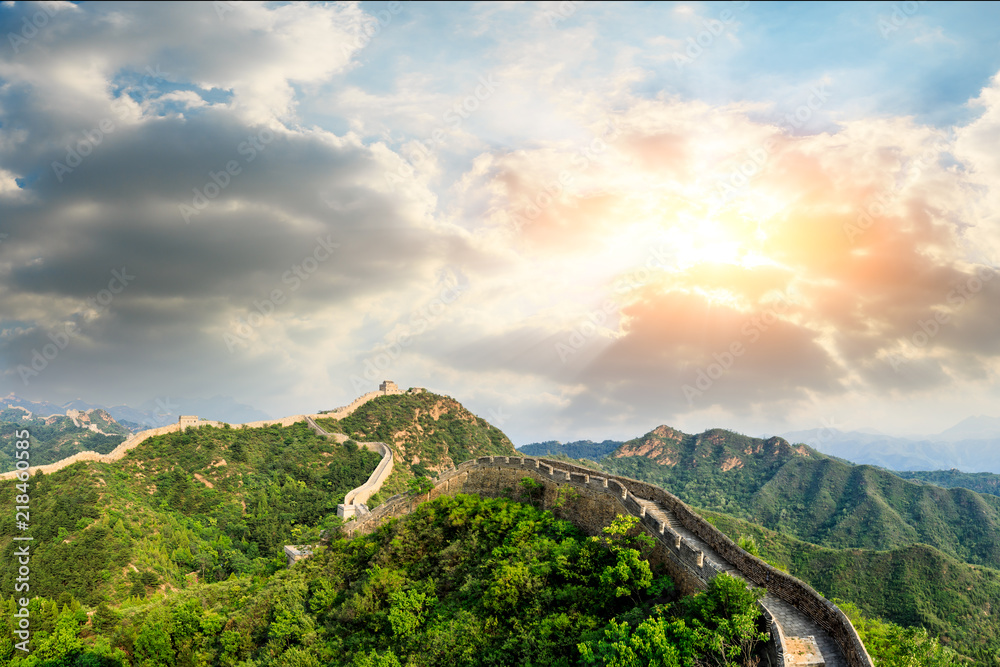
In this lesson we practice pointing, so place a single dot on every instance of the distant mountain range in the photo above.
(150, 414)
(910, 551)
(580, 449)
(55, 437)
(972, 445)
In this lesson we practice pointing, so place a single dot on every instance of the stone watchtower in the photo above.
(187, 420)
(388, 387)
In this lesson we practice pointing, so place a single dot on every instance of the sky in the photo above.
(581, 220)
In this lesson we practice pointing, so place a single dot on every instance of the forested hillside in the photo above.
(916, 586)
(462, 581)
(199, 505)
(427, 432)
(817, 498)
(56, 437)
(580, 449)
(981, 482)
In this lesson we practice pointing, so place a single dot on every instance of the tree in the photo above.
(630, 573)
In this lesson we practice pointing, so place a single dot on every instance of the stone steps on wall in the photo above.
(807, 644)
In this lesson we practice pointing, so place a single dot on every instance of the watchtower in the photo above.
(188, 420)
(388, 387)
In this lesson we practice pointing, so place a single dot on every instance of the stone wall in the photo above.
(360, 495)
(135, 440)
(602, 497)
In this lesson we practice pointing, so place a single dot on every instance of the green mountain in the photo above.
(58, 436)
(980, 482)
(428, 433)
(580, 449)
(915, 585)
(811, 496)
(461, 581)
(201, 505)
(173, 555)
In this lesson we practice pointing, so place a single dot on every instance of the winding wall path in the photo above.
(359, 496)
(137, 439)
(806, 628)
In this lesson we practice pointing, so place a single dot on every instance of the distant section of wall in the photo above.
(360, 495)
(137, 439)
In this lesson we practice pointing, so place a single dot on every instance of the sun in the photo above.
(731, 239)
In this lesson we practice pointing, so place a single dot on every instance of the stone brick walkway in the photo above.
(806, 644)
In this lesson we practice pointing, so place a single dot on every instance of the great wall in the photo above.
(186, 421)
(806, 629)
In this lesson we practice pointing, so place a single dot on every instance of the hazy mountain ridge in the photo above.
(972, 445)
(56, 437)
(578, 449)
(152, 413)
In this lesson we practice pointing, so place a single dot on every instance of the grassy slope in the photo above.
(915, 585)
(99, 527)
(427, 432)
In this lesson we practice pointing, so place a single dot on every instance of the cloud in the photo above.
(272, 180)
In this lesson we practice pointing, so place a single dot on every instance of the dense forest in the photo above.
(173, 555)
(200, 505)
(800, 492)
(579, 449)
(981, 482)
(461, 581)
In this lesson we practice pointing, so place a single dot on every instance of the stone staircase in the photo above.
(805, 643)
